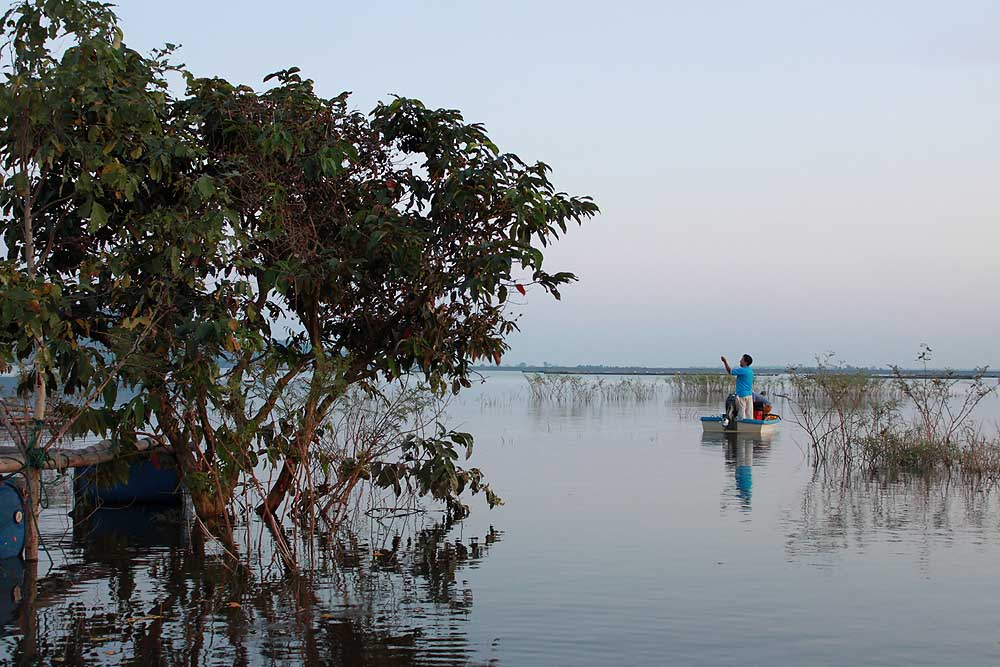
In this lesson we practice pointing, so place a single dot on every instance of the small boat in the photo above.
(742, 426)
(148, 481)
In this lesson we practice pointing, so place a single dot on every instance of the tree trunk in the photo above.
(281, 485)
(211, 504)
(33, 476)
(28, 616)
(269, 508)
(211, 509)
(32, 511)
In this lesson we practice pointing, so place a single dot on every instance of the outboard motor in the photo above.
(731, 413)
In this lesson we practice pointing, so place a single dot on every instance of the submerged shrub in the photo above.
(857, 420)
(980, 454)
(906, 451)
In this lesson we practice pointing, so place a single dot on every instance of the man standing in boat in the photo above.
(744, 385)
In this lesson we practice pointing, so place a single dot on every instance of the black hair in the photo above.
(748, 358)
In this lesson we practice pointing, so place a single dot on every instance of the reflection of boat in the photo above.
(115, 530)
(11, 520)
(743, 426)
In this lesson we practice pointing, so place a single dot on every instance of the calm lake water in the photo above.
(628, 537)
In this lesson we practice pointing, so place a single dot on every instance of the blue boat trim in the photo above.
(756, 422)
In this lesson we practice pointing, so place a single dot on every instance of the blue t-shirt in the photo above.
(744, 380)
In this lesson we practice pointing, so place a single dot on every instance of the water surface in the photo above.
(627, 537)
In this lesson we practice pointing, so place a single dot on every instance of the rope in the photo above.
(36, 457)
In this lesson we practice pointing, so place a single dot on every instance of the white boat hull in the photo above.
(743, 426)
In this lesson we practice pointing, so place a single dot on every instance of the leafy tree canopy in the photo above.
(214, 248)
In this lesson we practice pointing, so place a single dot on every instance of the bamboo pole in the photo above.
(59, 458)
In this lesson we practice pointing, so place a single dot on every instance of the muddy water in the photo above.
(628, 537)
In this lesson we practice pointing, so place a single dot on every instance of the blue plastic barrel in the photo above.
(11, 521)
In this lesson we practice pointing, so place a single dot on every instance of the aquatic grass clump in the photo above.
(701, 385)
(565, 388)
(980, 455)
(906, 451)
(560, 389)
(628, 390)
(716, 386)
(830, 384)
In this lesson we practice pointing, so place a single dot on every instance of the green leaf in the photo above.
(205, 187)
(376, 237)
(98, 217)
(139, 412)
(110, 394)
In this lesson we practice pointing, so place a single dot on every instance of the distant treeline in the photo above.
(585, 369)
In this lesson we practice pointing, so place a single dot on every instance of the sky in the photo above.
(784, 178)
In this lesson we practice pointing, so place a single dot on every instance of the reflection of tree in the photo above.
(838, 512)
(134, 602)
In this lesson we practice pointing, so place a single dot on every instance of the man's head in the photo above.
(746, 360)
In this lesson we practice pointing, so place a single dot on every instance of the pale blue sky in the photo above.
(781, 178)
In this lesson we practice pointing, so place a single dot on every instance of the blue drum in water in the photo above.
(150, 480)
(11, 521)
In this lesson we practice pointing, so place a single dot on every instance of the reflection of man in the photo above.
(744, 385)
(744, 471)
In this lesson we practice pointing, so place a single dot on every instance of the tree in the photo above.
(387, 242)
(186, 234)
(93, 194)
